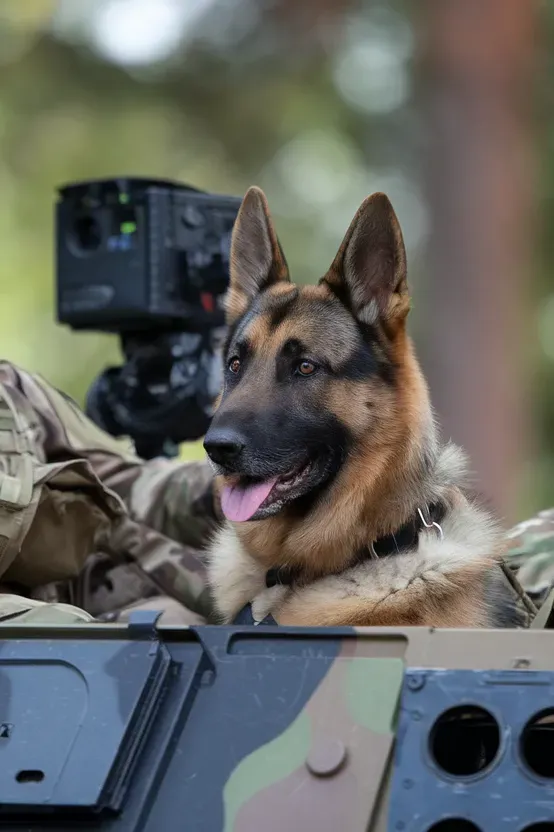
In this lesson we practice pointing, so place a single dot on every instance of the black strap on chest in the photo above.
(403, 539)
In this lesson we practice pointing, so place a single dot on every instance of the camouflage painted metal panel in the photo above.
(334, 753)
(275, 729)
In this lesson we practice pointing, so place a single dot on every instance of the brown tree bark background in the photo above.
(477, 57)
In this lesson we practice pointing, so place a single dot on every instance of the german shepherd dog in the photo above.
(342, 506)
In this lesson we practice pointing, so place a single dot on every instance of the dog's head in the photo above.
(309, 371)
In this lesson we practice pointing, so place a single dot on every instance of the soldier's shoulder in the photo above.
(529, 550)
(532, 535)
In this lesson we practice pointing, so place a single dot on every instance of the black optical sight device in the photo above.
(148, 259)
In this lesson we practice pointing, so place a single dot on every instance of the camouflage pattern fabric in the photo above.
(530, 553)
(102, 530)
(20, 610)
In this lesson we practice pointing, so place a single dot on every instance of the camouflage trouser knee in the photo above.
(14, 609)
(172, 612)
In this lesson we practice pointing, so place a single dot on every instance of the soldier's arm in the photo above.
(83, 493)
(172, 517)
(175, 498)
(172, 497)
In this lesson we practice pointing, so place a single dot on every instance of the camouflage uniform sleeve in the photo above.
(150, 547)
(172, 497)
(172, 516)
(530, 554)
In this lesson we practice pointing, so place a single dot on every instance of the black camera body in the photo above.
(133, 254)
(148, 259)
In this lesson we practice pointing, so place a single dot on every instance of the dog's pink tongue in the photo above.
(239, 504)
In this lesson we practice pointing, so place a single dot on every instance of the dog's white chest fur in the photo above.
(237, 579)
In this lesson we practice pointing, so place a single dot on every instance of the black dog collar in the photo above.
(406, 537)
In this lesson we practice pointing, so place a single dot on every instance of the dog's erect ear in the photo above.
(257, 260)
(369, 271)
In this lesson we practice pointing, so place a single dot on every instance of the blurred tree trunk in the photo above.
(312, 22)
(308, 12)
(478, 67)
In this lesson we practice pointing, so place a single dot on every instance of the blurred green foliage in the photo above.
(234, 95)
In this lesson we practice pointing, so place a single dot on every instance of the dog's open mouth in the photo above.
(248, 499)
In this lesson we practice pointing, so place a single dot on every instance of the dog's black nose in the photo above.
(224, 446)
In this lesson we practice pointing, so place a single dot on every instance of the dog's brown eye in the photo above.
(234, 365)
(306, 368)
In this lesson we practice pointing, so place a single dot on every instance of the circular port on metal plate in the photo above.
(464, 740)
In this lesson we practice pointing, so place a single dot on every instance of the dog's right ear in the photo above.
(257, 260)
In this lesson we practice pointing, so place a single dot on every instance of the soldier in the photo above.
(88, 531)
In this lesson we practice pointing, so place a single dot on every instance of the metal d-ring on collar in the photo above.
(407, 535)
(430, 525)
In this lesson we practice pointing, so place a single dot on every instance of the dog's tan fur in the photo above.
(398, 465)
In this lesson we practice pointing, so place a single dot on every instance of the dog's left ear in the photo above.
(369, 271)
(257, 260)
